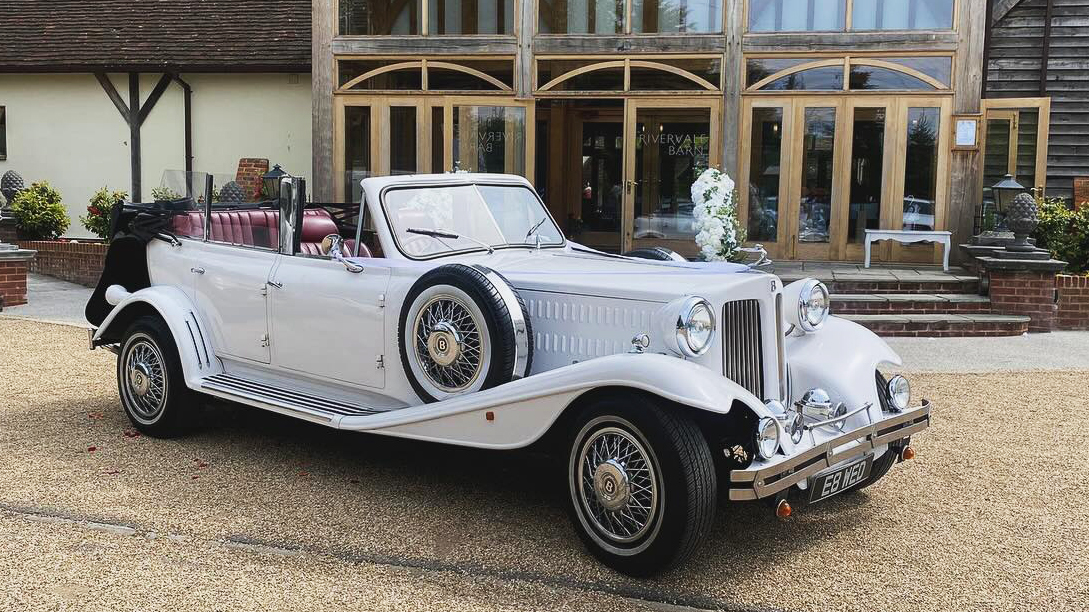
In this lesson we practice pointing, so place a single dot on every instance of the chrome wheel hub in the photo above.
(444, 344)
(140, 379)
(618, 484)
(449, 347)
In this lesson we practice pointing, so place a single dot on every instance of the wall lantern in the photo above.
(270, 182)
(1004, 192)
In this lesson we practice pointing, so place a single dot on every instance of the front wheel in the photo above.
(150, 380)
(641, 482)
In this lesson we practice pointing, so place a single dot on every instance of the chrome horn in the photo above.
(333, 246)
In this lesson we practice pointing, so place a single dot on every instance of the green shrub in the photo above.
(97, 220)
(39, 213)
(1064, 232)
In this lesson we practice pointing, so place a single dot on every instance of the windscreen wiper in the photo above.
(441, 233)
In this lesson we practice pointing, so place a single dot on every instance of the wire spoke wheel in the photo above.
(618, 484)
(143, 379)
(448, 345)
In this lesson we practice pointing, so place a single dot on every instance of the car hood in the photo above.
(572, 271)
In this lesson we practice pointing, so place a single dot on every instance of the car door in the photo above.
(328, 322)
(229, 287)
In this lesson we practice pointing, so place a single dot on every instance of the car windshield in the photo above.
(437, 220)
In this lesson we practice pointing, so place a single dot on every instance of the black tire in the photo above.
(150, 380)
(680, 507)
(498, 357)
(655, 253)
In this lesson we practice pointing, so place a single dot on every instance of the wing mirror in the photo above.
(333, 246)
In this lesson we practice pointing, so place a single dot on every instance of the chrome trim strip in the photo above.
(196, 349)
(518, 321)
(780, 347)
(742, 352)
(250, 390)
(203, 344)
(823, 456)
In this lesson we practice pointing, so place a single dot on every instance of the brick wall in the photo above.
(12, 283)
(1073, 302)
(249, 174)
(75, 262)
(1029, 294)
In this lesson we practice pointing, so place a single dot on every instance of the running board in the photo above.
(311, 407)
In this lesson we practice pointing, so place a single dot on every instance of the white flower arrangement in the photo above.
(719, 235)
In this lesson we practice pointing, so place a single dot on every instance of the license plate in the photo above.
(827, 485)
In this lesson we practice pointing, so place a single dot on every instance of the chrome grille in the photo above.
(742, 357)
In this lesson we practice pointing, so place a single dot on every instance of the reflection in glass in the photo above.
(829, 78)
(407, 78)
(996, 154)
(797, 15)
(921, 168)
(470, 16)
(656, 79)
(671, 147)
(902, 15)
(438, 146)
(759, 68)
(818, 160)
(867, 157)
(1027, 124)
(357, 150)
(676, 16)
(378, 17)
(602, 183)
(490, 139)
(402, 139)
(764, 169)
(581, 17)
(872, 77)
(441, 78)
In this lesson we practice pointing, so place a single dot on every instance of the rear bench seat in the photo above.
(258, 228)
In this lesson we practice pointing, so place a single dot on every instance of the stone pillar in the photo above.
(13, 269)
(1024, 287)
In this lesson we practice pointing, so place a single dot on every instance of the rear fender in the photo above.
(190, 334)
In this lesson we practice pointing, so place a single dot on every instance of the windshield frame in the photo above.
(475, 248)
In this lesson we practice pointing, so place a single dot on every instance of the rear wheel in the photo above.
(150, 380)
(641, 482)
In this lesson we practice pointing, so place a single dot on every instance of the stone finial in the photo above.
(231, 192)
(1022, 219)
(11, 184)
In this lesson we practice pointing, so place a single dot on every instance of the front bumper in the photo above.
(765, 481)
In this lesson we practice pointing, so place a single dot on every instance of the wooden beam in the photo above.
(855, 42)
(966, 172)
(593, 44)
(1045, 51)
(111, 91)
(413, 46)
(733, 70)
(156, 93)
(986, 52)
(134, 134)
(1001, 8)
(323, 182)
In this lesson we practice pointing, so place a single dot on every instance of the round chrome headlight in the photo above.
(899, 392)
(813, 305)
(767, 438)
(695, 327)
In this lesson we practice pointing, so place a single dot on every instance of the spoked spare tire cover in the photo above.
(463, 329)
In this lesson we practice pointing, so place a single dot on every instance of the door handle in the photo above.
(276, 284)
(197, 270)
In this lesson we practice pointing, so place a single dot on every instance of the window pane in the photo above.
(818, 161)
(902, 15)
(766, 148)
(829, 78)
(582, 17)
(470, 17)
(407, 78)
(402, 139)
(758, 69)
(867, 157)
(3, 133)
(604, 79)
(490, 139)
(357, 149)
(921, 168)
(1027, 125)
(671, 148)
(797, 15)
(871, 77)
(439, 78)
(676, 16)
(438, 146)
(656, 79)
(374, 17)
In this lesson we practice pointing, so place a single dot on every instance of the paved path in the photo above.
(52, 300)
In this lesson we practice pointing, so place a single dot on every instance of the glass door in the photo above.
(872, 153)
(817, 187)
(668, 144)
(763, 172)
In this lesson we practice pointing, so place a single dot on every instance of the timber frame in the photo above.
(960, 174)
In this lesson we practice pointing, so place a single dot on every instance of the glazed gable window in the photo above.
(797, 15)
(647, 16)
(902, 15)
(3, 133)
(444, 17)
(849, 15)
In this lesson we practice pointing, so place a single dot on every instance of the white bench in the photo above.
(910, 236)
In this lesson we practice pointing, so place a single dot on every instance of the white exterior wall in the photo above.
(62, 128)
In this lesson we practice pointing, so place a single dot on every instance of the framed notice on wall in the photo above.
(966, 132)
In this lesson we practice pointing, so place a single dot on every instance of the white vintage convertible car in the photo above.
(450, 308)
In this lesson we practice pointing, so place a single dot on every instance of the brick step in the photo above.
(942, 325)
(931, 285)
(909, 303)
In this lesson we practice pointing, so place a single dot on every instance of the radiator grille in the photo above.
(742, 356)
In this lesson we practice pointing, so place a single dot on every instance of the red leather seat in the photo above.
(260, 228)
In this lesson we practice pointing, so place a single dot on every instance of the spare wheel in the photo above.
(463, 329)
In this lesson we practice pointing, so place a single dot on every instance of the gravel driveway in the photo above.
(259, 512)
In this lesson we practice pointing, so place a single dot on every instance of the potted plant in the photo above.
(39, 213)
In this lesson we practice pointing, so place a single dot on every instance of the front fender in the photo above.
(840, 358)
(523, 410)
(175, 308)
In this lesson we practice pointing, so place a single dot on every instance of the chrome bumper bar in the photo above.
(762, 482)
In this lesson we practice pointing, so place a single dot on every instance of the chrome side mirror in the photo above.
(333, 246)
